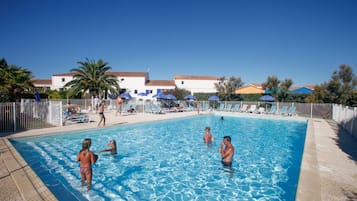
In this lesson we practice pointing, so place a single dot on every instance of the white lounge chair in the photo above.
(252, 109)
(243, 108)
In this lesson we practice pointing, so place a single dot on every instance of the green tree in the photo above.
(180, 93)
(226, 88)
(277, 88)
(92, 77)
(339, 89)
(15, 81)
(272, 84)
(54, 94)
(285, 86)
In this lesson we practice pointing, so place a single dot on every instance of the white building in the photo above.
(196, 84)
(139, 82)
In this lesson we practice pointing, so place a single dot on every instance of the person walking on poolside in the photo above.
(101, 113)
(113, 147)
(86, 159)
(208, 137)
(227, 151)
(119, 105)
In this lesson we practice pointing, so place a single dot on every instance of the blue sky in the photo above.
(304, 40)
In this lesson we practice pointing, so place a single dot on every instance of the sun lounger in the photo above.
(156, 109)
(252, 109)
(147, 108)
(76, 117)
(261, 110)
(283, 110)
(272, 110)
(236, 108)
(243, 108)
(229, 107)
(129, 108)
(221, 107)
(291, 111)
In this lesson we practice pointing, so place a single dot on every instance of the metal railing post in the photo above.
(14, 113)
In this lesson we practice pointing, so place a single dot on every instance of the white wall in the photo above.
(58, 83)
(132, 83)
(197, 86)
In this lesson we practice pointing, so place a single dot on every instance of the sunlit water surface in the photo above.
(167, 160)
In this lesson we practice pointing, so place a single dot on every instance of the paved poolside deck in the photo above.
(328, 171)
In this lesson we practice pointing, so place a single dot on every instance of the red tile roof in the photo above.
(117, 74)
(42, 81)
(160, 83)
(64, 74)
(194, 77)
(129, 74)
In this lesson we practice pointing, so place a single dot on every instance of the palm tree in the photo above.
(285, 85)
(93, 77)
(272, 84)
(15, 82)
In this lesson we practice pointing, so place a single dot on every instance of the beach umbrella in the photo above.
(190, 97)
(159, 96)
(125, 96)
(142, 94)
(213, 98)
(170, 97)
(267, 98)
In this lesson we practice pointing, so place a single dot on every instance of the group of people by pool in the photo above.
(87, 158)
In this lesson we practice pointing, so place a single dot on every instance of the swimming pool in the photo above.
(167, 160)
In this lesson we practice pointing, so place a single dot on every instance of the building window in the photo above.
(122, 79)
(135, 91)
(182, 82)
(63, 79)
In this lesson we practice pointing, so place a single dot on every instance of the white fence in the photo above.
(29, 114)
(346, 117)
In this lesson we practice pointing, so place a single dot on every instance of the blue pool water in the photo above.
(167, 160)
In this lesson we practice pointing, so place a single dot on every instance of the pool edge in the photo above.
(309, 188)
(29, 185)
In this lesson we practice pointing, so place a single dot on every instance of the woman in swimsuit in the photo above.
(86, 159)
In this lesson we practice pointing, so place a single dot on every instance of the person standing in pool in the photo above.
(113, 147)
(227, 151)
(86, 158)
(208, 137)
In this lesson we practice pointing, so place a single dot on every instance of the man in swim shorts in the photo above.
(227, 151)
(86, 159)
(101, 113)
